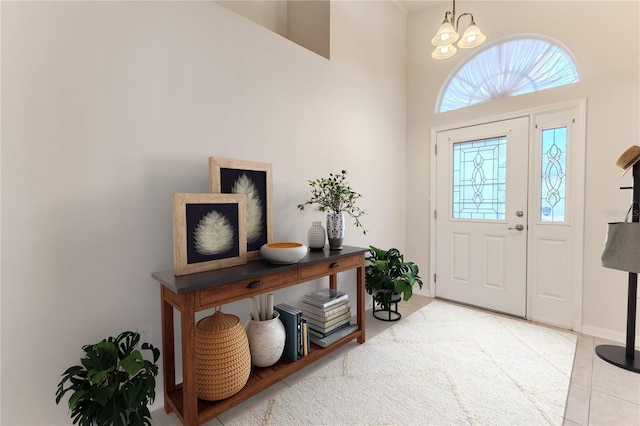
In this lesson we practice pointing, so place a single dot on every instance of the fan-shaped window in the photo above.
(509, 68)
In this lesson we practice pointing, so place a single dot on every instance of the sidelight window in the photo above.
(553, 176)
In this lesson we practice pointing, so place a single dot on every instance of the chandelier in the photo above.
(448, 34)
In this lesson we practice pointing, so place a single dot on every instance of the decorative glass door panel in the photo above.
(553, 163)
(479, 179)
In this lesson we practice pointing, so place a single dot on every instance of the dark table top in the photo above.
(253, 269)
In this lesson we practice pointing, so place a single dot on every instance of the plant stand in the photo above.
(391, 314)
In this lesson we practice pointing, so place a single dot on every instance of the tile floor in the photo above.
(600, 394)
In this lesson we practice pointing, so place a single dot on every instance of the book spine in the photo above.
(325, 319)
(299, 328)
(305, 338)
(298, 314)
(327, 304)
(326, 330)
(290, 321)
(334, 337)
(329, 323)
(325, 313)
(323, 335)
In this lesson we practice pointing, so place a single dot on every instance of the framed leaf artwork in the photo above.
(208, 232)
(253, 180)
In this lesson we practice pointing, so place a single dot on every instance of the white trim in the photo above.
(577, 214)
(433, 207)
(577, 217)
(0, 225)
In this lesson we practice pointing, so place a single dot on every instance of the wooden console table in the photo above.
(196, 292)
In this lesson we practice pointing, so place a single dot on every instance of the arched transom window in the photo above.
(510, 68)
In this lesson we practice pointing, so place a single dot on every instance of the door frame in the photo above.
(578, 196)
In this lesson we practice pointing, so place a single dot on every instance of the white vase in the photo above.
(335, 230)
(266, 340)
(316, 236)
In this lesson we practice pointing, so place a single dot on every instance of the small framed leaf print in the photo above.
(208, 232)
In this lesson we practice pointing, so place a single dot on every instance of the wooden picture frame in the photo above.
(208, 232)
(255, 181)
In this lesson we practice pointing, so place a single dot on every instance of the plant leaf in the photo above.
(126, 343)
(133, 363)
(154, 351)
(101, 356)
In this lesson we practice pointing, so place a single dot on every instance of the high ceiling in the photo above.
(412, 5)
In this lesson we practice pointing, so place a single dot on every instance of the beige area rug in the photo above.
(443, 365)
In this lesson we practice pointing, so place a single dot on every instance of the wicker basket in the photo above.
(223, 360)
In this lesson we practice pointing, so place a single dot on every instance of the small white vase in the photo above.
(316, 236)
(335, 230)
(266, 340)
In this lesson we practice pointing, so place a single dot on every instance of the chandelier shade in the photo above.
(445, 35)
(444, 52)
(448, 34)
(472, 37)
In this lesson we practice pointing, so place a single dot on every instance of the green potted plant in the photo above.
(388, 278)
(114, 385)
(334, 196)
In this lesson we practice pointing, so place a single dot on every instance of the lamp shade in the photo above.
(445, 35)
(444, 52)
(472, 37)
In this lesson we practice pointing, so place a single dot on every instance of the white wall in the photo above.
(610, 82)
(110, 107)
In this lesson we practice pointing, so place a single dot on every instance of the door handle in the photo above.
(518, 227)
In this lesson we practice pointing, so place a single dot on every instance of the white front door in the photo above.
(481, 216)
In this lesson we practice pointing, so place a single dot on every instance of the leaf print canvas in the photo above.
(254, 181)
(209, 232)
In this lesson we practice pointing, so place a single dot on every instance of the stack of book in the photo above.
(296, 331)
(328, 315)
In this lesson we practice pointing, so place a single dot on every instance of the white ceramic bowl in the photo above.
(283, 253)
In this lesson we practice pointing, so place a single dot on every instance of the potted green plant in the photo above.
(388, 278)
(334, 196)
(114, 385)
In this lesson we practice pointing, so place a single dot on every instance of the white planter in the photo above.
(266, 340)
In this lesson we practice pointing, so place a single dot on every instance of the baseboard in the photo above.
(607, 334)
(424, 291)
(158, 404)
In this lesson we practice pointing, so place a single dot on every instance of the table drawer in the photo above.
(331, 267)
(238, 290)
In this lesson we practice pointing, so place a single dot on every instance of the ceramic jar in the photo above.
(316, 236)
(266, 340)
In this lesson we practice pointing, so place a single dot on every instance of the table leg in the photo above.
(189, 392)
(360, 301)
(168, 355)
